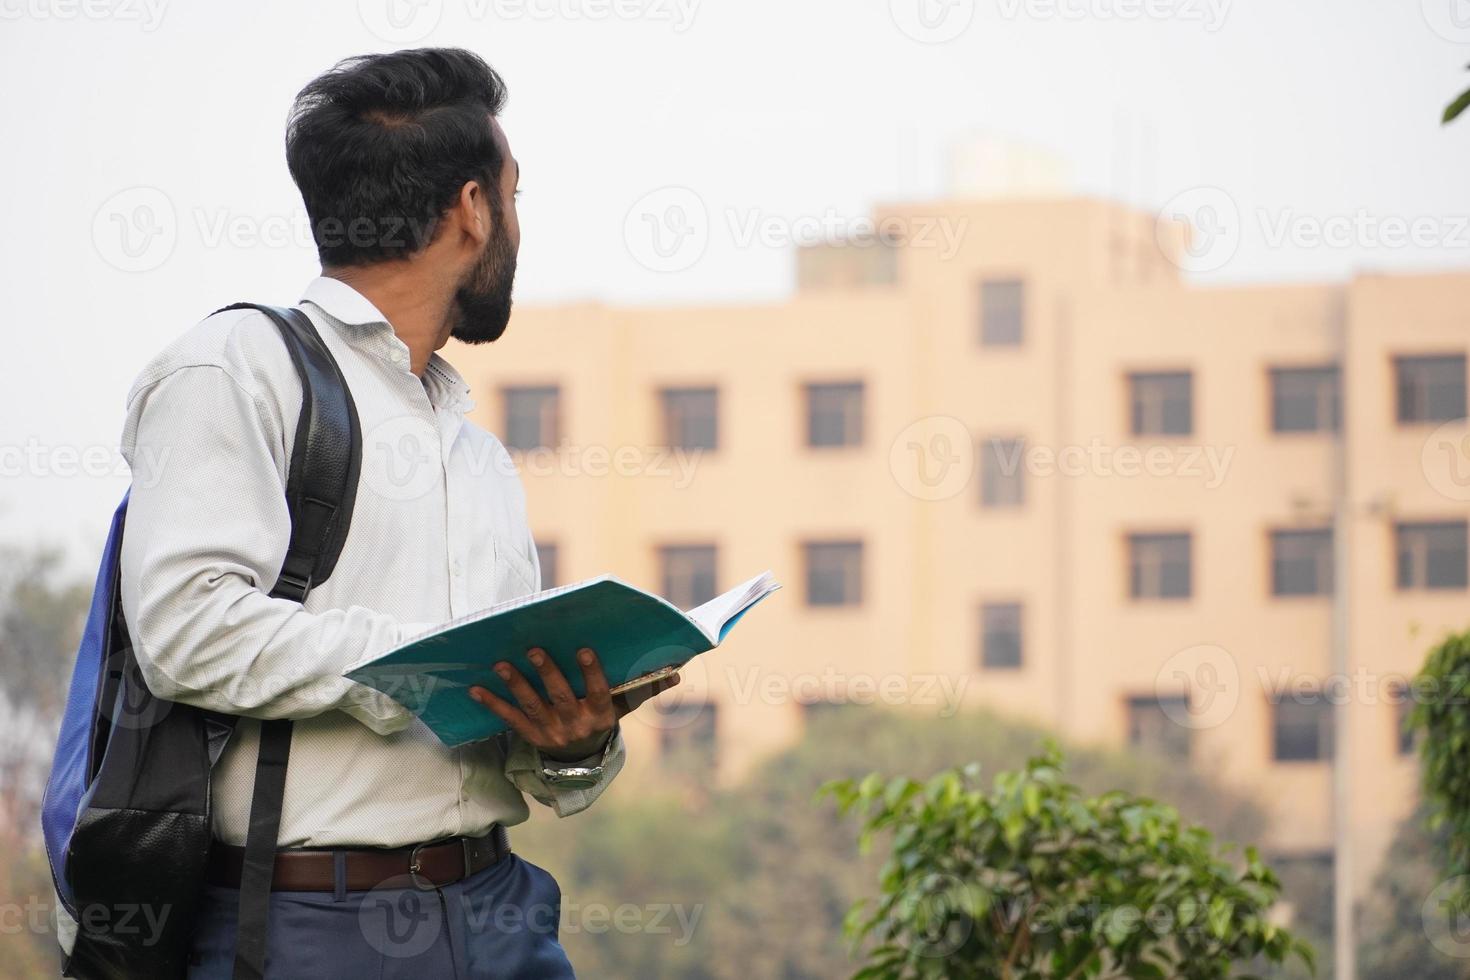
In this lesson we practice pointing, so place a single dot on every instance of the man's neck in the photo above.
(417, 312)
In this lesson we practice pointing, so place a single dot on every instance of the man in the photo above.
(410, 187)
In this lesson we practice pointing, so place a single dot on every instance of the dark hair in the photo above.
(380, 145)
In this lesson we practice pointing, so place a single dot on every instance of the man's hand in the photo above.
(564, 728)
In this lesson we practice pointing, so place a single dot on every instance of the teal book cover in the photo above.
(639, 637)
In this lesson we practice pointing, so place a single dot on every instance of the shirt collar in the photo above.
(445, 385)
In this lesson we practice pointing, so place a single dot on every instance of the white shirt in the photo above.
(438, 531)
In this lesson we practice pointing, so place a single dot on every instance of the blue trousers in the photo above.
(501, 923)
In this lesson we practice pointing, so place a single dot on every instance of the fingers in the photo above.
(531, 704)
(506, 711)
(557, 688)
(596, 680)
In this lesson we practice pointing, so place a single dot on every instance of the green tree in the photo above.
(40, 622)
(1440, 719)
(764, 870)
(1034, 879)
(1453, 110)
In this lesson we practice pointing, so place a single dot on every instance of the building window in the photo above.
(1302, 728)
(834, 573)
(1432, 555)
(688, 574)
(834, 415)
(532, 417)
(1002, 313)
(547, 555)
(688, 733)
(1000, 636)
(1162, 404)
(1002, 478)
(691, 418)
(1152, 728)
(1301, 562)
(1305, 399)
(1160, 566)
(1430, 389)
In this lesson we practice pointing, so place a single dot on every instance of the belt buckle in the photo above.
(415, 870)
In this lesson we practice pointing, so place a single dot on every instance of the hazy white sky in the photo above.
(143, 181)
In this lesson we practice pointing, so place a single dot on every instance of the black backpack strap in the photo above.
(321, 485)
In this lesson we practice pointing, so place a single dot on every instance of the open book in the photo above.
(639, 638)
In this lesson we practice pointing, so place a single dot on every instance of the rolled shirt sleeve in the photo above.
(206, 532)
(523, 764)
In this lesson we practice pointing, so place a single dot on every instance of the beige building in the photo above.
(1035, 470)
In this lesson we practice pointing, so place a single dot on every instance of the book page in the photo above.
(712, 616)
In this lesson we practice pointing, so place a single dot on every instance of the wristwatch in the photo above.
(579, 773)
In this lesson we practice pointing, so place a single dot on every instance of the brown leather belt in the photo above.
(424, 866)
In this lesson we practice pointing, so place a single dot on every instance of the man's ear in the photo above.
(473, 212)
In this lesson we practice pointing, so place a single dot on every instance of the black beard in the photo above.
(482, 303)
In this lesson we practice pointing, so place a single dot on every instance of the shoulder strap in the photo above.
(321, 486)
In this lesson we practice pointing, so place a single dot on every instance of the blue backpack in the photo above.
(126, 815)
